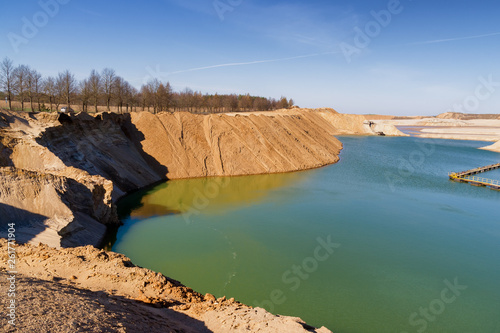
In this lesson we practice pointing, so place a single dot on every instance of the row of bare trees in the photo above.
(106, 89)
(160, 97)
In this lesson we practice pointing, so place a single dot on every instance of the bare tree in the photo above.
(108, 78)
(21, 74)
(163, 97)
(95, 85)
(30, 86)
(130, 96)
(49, 89)
(7, 78)
(85, 90)
(27, 85)
(33, 80)
(245, 103)
(273, 104)
(119, 92)
(197, 101)
(206, 102)
(187, 99)
(283, 103)
(37, 82)
(153, 86)
(67, 81)
(124, 94)
(145, 96)
(215, 103)
(168, 96)
(59, 94)
(231, 103)
(261, 104)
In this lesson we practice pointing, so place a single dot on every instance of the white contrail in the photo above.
(252, 62)
(454, 39)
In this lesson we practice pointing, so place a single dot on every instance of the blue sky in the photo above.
(426, 59)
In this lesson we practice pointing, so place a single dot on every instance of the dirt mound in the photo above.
(227, 145)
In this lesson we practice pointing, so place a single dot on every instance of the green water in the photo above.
(401, 233)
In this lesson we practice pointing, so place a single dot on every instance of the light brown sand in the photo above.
(455, 129)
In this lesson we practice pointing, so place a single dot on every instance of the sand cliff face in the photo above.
(56, 210)
(247, 143)
(61, 174)
(227, 145)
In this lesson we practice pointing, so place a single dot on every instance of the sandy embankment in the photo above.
(451, 128)
(60, 176)
(493, 147)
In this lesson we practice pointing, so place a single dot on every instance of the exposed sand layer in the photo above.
(56, 210)
(88, 290)
(454, 126)
(247, 143)
(451, 128)
(467, 116)
(227, 145)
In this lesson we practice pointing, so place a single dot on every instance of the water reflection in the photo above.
(397, 246)
(209, 195)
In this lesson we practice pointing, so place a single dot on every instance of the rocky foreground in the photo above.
(60, 176)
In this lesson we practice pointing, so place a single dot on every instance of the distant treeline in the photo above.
(24, 88)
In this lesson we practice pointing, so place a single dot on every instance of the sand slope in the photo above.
(222, 145)
(493, 147)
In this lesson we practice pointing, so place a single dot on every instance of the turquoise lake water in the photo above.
(380, 242)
